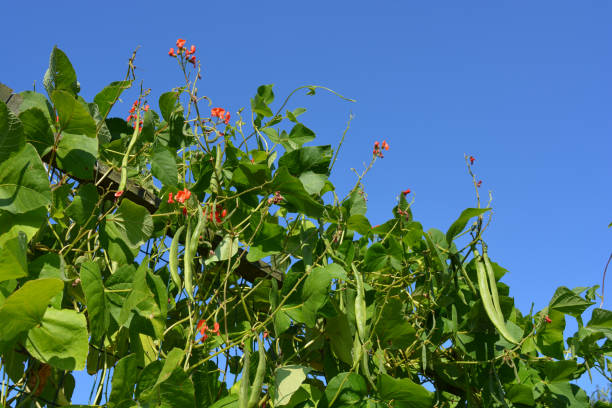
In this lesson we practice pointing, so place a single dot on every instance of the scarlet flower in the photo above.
(119, 193)
(472, 159)
(171, 52)
(227, 118)
(57, 118)
(146, 108)
(170, 200)
(185, 211)
(547, 319)
(180, 43)
(479, 183)
(128, 118)
(385, 145)
(265, 334)
(216, 328)
(202, 327)
(223, 213)
(193, 60)
(193, 49)
(376, 145)
(406, 191)
(183, 195)
(217, 112)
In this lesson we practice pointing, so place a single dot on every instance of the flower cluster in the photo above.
(221, 114)
(180, 49)
(406, 192)
(133, 116)
(203, 329)
(220, 213)
(276, 199)
(479, 183)
(378, 148)
(180, 196)
(472, 159)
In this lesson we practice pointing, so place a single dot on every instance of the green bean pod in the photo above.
(492, 281)
(485, 293)
(187, 266)
(243, 394)
(259, 374)
(173, 258)
(360, 307)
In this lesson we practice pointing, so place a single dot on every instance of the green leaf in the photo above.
(125, 376)
(28, 222)
(231, 401)
(226, 249)
(393, 330)
(97, 309)
(550, 339)
(404, 392)
(23, 182)
(249, 174)
(287, 381)
(268, 241)
(346, 388)
(61, 340)
(571, 395)
(359, 223)
(568, 302)
(177, 391)
(313, 183)
(316, 290)
(25, 308)
(520, 394)
(601, 320)
(338, 331)
(60, 74)
(13, 262)
(459, 224)
(31, 99)
(37, 130)
(294, 193)
(74, 116)
(131, 223)
(11, 133)
(105, 98)
(167, 104)
(163, 166)
(310, 158)
(77, 154)
(83, 204)
(299, 135)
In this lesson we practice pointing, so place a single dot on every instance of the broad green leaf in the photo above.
(131, 223)
(267, 241)
(561, 370)
(226, 249)
(74, 116)
(77, 154)
(31, 99)
(287, 381)
(359, 223)
(316, 290)
(13, 262)
(338, 331)
(231, 401)
(393, 330)
(520, 394)
(571, 395)
(313, 183)
(107, 96)
(11, 133)
(37, 130)
(125, 376)
(377, 257)
(29, 223)
(550, 339)
(171, 363)
(310, 158)
(97, 308)
(176, 392)
(168, 104)
(26, 307)
(343, 390)
(24, 185)
(249, 174)
(460, 223)
(83, 204)
(404, 392)
(163, 166)
(568, 302)
(601, 320)
(61, 339)
(293, 192)
(60, 74)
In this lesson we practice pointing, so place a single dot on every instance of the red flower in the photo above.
(216, 329)
(223, 213)
(265, 334)
(217, 112)
(171, 52)
(376, 145)
(170, 200)
(183, 195)
(406, 191)
(472, 159)
(202, 327)
(180, 43)
(227, 118)
(193, 60)
(479, 183)
(547, 319)
(193, 49)
(146, 108)
(119, 193)
(385, 145)
(185, 211)
(57, 118)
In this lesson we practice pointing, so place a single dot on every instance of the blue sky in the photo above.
(524, 87)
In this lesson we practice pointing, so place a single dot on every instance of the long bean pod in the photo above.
(173, 258)
(259, 374)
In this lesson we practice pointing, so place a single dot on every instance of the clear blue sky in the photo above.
(525, 87)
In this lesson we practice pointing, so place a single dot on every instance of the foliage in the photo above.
(250, 282)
